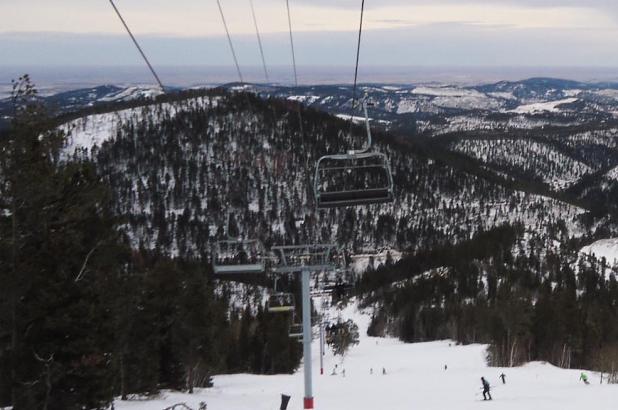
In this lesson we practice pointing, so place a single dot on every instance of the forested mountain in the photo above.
(178, 169)
(489, 225)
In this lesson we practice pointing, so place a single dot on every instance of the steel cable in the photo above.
(152, 70)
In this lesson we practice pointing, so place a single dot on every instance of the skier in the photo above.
(486, 389)
(583, 377)
(503, 377)
(371, 371)
(384, 371)
(445, 367)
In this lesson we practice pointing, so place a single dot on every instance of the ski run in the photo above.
(415, 378)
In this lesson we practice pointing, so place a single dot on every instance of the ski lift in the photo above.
(296, 331)
(359, 177)
(312, 257)
(340, 289)
(238, 257)
(281, 303)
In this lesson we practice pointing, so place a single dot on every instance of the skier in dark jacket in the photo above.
(486, 392)
(503, 377)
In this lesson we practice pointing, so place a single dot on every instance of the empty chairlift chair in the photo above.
(360, 177)
(296, 331)
(238, 257)
(281, 302)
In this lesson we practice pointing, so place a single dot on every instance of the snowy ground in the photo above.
(415, 379)
(605, 248)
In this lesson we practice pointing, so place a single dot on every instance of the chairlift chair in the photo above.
(359, 177)
(280, 302)
(238, 257)
(296, 331)
(310, 257)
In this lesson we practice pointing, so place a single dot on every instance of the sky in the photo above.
(423, 33)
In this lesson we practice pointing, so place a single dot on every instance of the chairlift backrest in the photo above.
(358, 177)
(238, 257)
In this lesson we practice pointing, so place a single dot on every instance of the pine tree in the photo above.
(55, 228)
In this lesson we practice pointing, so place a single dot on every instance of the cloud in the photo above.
(451, 45)
(611, 4)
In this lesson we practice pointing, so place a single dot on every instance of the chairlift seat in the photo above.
(352, 180)
(281, 303)
(238, 257)
(296, 331)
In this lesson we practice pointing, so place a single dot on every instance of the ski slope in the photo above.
(415, 379)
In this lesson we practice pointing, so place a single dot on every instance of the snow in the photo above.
(415, 379)
(305, 99)
(609, 93)
(88, 132)
(502, 95)
(550, 106)
(605, 248)
(132, 93)
(355, 119)
(447, 92)
(613, 174)
(93, 130)
(360, 262)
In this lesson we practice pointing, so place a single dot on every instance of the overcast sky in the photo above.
(398, 32)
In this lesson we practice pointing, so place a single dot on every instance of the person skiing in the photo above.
(583, 377)
(486, 389)
(503, 377)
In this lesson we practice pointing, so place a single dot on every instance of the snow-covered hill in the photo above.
(415, 379)
(605, 248)
(170, 165)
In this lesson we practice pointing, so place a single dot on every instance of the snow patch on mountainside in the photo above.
(83, 134)
(613, 174)
(609, 93)
(447, 92)
(605, 248)
(550, 106)
(132, 93)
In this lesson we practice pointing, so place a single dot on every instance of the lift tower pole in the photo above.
(307, 333)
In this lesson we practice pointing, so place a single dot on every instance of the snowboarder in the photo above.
(486, 389)
(583, 377)
(503, 377)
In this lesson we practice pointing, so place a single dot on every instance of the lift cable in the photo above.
(287, 4)
(152, 70)
(358, 48)
(300, 115)
(259, 39)
(231, 44)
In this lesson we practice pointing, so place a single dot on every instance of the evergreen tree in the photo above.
(57, 239)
